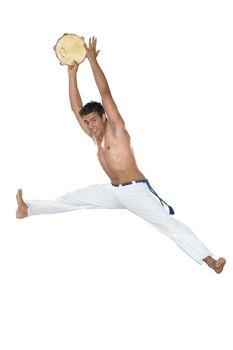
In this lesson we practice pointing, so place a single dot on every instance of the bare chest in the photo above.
(114, 152)
(109, 150)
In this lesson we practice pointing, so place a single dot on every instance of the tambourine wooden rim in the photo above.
(70, 49)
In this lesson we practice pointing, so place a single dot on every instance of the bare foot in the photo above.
(220, 263)
(22, 210)
(216, 265)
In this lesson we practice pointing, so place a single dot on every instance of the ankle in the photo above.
(209, 260)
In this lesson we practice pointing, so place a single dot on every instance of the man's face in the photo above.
(95, 123)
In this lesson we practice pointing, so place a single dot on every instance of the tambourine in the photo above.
(70, 49)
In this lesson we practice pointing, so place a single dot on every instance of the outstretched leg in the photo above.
(91, 197)
(22, 210)
(216, 265)
(139, 200)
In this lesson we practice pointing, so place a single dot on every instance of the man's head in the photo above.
(94, 116)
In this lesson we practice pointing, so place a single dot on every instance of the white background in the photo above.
(106, 279)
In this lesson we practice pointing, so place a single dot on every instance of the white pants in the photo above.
(138, 199)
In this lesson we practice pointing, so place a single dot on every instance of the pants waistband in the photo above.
(129, 183)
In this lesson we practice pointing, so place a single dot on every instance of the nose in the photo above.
(91, 128)
(91, 125)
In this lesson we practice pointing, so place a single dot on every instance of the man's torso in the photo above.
(116, 156)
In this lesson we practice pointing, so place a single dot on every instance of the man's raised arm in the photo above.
(75, 98)
(110, 107)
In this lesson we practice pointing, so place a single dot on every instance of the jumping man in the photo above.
(128, 188)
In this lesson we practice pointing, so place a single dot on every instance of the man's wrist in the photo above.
(92, 60)
(72, 74)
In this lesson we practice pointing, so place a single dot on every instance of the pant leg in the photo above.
(138, 199)
(90, 197)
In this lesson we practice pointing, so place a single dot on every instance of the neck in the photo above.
(98, 139)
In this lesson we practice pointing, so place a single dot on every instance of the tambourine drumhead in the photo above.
(69, 48)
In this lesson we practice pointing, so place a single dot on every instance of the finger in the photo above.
(94, 42)
(89, 42)
(86, 47)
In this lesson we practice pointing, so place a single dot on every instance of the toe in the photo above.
(19, 196)
(219, 262)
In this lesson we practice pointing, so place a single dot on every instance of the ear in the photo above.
(104, 118)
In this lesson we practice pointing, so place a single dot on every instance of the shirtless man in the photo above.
(129, 189)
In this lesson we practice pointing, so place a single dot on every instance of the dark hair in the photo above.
(92, 107)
